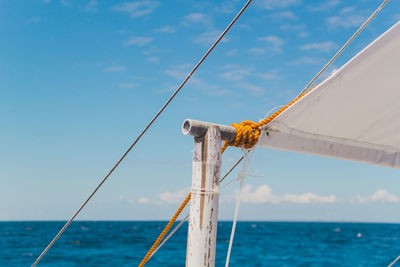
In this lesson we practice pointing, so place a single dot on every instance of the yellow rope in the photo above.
(247, 134)
(166, 229)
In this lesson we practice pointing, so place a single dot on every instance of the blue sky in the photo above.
(80, 79)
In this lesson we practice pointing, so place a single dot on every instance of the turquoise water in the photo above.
(256, 244)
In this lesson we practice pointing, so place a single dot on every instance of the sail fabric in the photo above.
(354, 114)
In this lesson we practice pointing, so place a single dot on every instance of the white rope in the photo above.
(390, 265)
(345, 45)
(241, 176)
(272, 109)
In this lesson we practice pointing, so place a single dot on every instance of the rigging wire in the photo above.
(177, 91)
(231, 169)
(168, 236)
(305, 90)
(144, 130)
(187, 216)
(302, 92)
(344, 46)
(241, 176)
(391, 264)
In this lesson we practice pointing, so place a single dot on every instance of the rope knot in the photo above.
(247, 134)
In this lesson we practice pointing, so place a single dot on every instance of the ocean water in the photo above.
(103, 243)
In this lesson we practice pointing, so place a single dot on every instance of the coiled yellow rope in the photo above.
(247, 134)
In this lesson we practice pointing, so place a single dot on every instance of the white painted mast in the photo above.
(203, 218)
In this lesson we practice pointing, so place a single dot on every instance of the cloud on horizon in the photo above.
(263, 194)
(381, 196)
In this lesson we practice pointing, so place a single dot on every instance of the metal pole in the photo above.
(199, 128)
(203, 218)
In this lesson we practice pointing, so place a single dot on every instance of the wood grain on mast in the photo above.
(203, 219)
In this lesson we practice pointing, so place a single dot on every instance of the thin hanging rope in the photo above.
(345, 45)
(241, 177)
(390, 265)
(144, 131)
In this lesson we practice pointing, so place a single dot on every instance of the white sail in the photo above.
(354, 114)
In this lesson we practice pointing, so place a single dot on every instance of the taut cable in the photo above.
(143, 131)
(345, 45)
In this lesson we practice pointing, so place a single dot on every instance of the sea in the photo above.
(124, 243)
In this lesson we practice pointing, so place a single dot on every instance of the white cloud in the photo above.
(292, 27)
(144, 200)
(244, 26)
(308, 198)
(33, 20)
(181, 71)
(308, 60)
(195, 18)
(138, 40)
(323, 46)
(348, 9)
(263, 194)
(115, 69)
(138, 8)
(253, 89)
(285, 15)
(65, 3)
(257, 51)
(153, 59)
(346, 21)
(92, 6)
(267, 76)
(383, 196)
(219, 92)
(167, 197)
(380, 196)
(127, 200)
(167, 29)
(303, 34)
(275, 42)
(174, 197)
(324, 6)
(178, 72)
(207, 38)
(274, 4)
(227, 7)
(235, 74)
(127, 85)
(232, 52)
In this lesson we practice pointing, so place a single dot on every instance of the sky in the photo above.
(79, 80)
